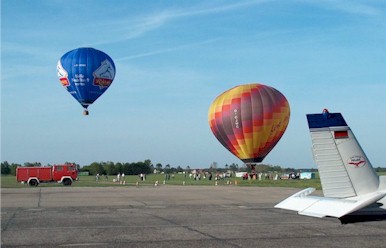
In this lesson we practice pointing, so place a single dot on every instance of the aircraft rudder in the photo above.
(344, 169)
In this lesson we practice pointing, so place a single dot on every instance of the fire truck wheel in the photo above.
(33, 183)
(67, 182)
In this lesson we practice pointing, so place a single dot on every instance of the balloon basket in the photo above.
(85, 112)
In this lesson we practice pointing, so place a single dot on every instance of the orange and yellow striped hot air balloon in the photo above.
(249, 120)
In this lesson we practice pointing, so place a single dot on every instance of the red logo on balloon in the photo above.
(64, 82)
(102, 82)
(104, 74)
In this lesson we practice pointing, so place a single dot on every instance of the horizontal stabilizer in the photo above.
(317, 206)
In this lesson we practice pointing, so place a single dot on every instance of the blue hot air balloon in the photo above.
(86, 73)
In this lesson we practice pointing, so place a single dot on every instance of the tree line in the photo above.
(111, 168)
(102, 168)
(146, 167)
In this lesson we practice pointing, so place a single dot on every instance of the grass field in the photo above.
(89, 181)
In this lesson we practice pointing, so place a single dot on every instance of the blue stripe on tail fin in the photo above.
(321, 121)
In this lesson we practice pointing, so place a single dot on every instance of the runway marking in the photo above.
(84, 244)
(243, 207)
(232, 206)
(34, 209)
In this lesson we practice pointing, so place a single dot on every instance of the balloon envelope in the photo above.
(249, 120)
(86, 73)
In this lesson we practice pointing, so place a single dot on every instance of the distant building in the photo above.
(307, 175)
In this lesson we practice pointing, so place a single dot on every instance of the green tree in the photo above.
(234, 167)
(13, 168)
(127, 169)
(119, 168)
(5, 168)
(276, 168)
(110, 168)
(35, 164)
(167, 168)
(96, 168)
(158, 166)
(147, 162)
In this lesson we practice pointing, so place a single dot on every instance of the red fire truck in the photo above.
(65, 174)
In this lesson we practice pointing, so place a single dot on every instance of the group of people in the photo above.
(260, 176)
(97, 177)
(209, 175)
(120, 178)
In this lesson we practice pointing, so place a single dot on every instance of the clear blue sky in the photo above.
(173, 58)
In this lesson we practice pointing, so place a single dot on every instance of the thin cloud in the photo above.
(166, 50)
(368, 8)
(210, 9)
(128, 29)
(136, 27)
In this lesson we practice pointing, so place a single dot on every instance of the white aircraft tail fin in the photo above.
(344, 169)
(348, 180)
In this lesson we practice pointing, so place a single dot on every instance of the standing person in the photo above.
(118, 177)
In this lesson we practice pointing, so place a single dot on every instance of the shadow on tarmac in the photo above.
(380, 215)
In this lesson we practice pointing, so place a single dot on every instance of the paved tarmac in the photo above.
(170, 216)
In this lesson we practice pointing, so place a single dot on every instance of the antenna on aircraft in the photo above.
(326, 114)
